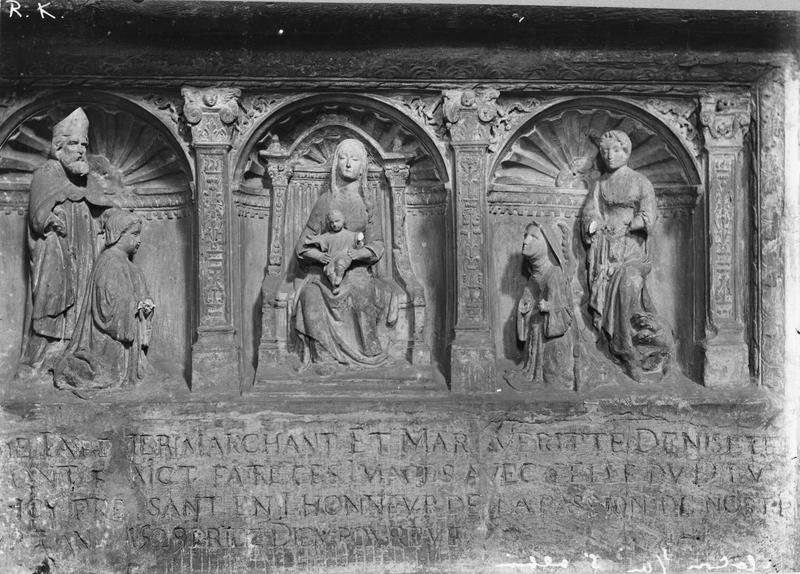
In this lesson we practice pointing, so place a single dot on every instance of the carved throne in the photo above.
(299, 174)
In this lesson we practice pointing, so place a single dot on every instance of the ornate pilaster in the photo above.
(273, 347)
(212, 114)
(725, 119)
(397, 172)
(469, 116)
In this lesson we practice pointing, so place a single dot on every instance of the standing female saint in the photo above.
(617, 222)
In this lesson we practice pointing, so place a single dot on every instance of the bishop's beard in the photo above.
(79, 167)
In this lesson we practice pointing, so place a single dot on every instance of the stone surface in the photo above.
(495, 431)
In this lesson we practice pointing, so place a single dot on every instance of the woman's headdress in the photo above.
(557, 242)
(362, 152)
(117, 222)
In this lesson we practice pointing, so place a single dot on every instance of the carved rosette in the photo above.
(470, 116)
(212, 114)
(725, 119)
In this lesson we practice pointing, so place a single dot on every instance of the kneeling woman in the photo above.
(109, 345)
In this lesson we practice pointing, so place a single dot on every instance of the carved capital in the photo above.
(725, 119)
(397, 174)
(212, 114)
(279, 173)
(470, 114)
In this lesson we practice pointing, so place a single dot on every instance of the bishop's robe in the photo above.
(59, 265)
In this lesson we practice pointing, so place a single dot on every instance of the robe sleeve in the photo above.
(591, 212)
(47, 191)
(373, 238)
(115, 300)
(558, 320)
(647, 204)
(314, 226)
(523, 316)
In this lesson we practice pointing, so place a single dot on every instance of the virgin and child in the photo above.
(339, 323)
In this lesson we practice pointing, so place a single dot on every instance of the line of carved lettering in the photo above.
(285, 504)
(398, 441)
(642, 505)
(52, 445)
(61, 510)
(54, 477)
(349, 472)
(638, 440)
(698, 473)
(280, 535)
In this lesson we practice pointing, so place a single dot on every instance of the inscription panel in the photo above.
(257, 490)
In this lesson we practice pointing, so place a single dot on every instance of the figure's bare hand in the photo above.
(361, 254)
(637, 223)
(56, 224)
(148, 306)
(592, 227)
(544, 306)
(324, 258)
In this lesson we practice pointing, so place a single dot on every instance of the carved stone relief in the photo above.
(108, 347)
(294, 170)
(617, 226)
(105, 156)
(551, 171)
(545, 321)
(195, 468)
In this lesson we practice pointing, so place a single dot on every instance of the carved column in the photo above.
(725, 119)
(469, 115)
(275, 307)
(397, 172)
(212, 114)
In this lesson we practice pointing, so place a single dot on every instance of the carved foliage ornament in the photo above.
(469, 171)
(212, 239)
(211, 113)
(252, 108)
(681, 115)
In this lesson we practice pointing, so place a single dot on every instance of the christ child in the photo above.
(336, 245)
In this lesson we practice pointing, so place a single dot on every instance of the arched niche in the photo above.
(136, 151)
(301, 137)
(546, 170)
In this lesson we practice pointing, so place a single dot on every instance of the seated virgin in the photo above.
(109, 346)
(339, 323)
